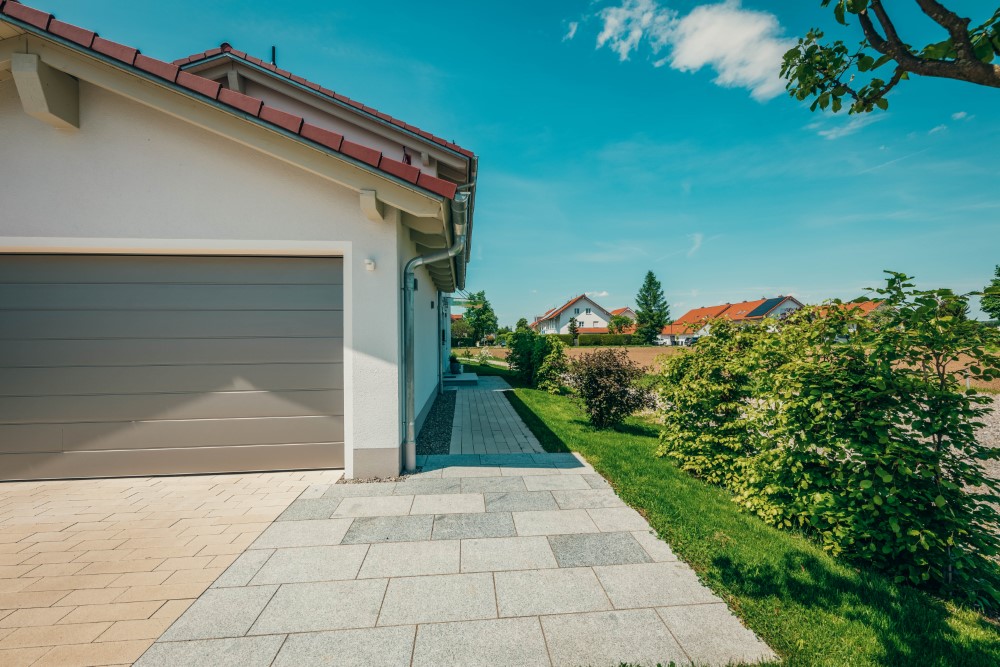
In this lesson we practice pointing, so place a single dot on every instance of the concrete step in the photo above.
(461, 380)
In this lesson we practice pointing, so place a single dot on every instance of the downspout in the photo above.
(460, 220)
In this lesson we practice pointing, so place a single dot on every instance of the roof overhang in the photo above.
(426, 214)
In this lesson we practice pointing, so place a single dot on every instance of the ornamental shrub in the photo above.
(605, 339)
(607, 380)
(537, 361)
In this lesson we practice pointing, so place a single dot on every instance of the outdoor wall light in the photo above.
(370, 264)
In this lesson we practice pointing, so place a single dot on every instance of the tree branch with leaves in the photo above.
(832, 74)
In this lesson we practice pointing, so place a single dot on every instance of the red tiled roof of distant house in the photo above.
(864, 308)
(315, 87)
(739, 311)
(676, 329)
(555, 311)
(619, 311)
(130, 59)
(696, 315)
(592, 330)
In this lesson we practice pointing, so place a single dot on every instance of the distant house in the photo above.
(625, 312)
(696, 322)
(591, 317)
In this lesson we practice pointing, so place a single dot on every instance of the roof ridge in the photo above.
(235, 101)
(227, 48)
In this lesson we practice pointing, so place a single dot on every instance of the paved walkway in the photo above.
(524, 559)
(92, 571)
(485, 422)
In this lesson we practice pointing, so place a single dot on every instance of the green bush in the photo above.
(607, 381)
(605, 339)
(565, 338)
(537, 361)
(854, 430)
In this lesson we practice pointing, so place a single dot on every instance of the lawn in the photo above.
(811, 608)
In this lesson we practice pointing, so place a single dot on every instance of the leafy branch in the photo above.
(829, 73)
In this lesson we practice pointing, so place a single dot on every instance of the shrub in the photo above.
(537, 361)
(606, 380)
(605, 339)
(855, 430)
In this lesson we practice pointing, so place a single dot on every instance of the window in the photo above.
(588, 310)
(576, 311)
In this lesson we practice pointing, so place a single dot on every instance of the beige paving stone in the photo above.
(172, 609)
(54, 635)
(132, 630)
(26, 618)
(131, 579)
(115, 611)
(72, 583)
(205, 575)
(189, 563)
(92, 596)
(14, 571)
(21, 657)
(98, 653)
(15, 585)
(25, 599)
(55, 569)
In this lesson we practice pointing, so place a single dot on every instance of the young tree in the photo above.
(480, 316)
(619, 323)
(574, 328)
(990, 302)
(522, 324)
(652, 311)
(832, 72)
(460, 330)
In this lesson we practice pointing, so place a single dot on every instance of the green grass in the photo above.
(811, 608)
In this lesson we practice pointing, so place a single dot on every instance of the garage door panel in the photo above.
(136, 365)
(105, 296)
(77, 324)
(292, 456)
(82, 380)
(175, 351)
(133, 407)
(69, 269)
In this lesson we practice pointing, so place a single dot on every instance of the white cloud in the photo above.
(696, 240)
(855, 124)
(571, 32)
(959, 115)
(743, 46)
(600, 293)
(937, 128)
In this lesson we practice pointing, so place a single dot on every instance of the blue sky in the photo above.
(610, 145)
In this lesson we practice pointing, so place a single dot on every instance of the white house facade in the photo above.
(203, 264)
(590, 317)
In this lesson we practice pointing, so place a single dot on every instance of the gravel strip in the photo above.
(435, 436)
(989, 435)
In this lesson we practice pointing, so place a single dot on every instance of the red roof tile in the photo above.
(234, 100)
(226, 48)
(696, 315)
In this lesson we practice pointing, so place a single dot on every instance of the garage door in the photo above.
(139, 365)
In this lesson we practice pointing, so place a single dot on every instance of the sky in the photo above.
(621, 136)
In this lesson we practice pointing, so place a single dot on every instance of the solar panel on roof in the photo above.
(766, 307)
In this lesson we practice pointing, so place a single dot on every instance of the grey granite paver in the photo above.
(556, 522)
(449, 597)
(300, 564)
(243, 568)
(611, 638)
(468, 526)
(597, 549)
(614, 519)
(351, 490)
(555, 483)
(485, 423)
(727, 642)
(653, 585)
(374, 506)
(408, 559)
(552, 591)
(448, 503)
(309, 508)
(306, 533)
(507, 553)
(470, 471)
(391, 647)
(423, 486)
(596, 481)
(237, 652)
(657, 549)
(221, 612)
(492, 484)
(492, 643)
(328, 605)
(520, 501)
(587, 499)
(389, 529)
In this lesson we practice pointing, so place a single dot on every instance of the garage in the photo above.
(114, 365)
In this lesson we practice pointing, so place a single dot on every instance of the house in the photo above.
(213, 265)
(591, 317)
(625, 312)
(697, 321)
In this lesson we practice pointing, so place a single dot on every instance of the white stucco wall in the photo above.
(133, 178)
(598, 317)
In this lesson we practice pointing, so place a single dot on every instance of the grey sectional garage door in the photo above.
(137, 365)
